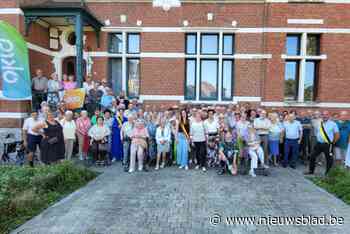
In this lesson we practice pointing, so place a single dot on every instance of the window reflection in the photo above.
(227, 67)
(310, 80)
(209, 75)
(228, 44)
(293, 45)
(191, 44)
(133, 78)
(209, 44)
(313, 45)
(291, 80)
(190, 79)
(133, 43)
(116, 43)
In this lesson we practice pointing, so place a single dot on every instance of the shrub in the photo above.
(26, 191)
(337, 182)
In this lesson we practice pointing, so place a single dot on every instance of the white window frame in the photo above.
(219, 57)
(302, 59)
(125, 56)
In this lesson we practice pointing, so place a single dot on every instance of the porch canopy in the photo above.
(63, 13)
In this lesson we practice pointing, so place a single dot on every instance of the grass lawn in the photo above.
(25, 191)
(337, 182)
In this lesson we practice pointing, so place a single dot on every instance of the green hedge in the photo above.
(337, 182)
(26, 191)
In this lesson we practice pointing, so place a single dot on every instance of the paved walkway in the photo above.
(174, 201)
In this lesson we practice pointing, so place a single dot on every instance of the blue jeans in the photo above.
(291, 145)
(182, 150)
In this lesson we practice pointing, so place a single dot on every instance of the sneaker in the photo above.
(140, 168)
(221, 172)
(157, 168)
(113, 160)
(197, 167)
(131, 171)
(252, 173)
(163, 165)
(265, 166)
(180, 167)
(81, 157)
(186, 168)
(204, 169)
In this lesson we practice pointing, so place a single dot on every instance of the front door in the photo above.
(69, 66)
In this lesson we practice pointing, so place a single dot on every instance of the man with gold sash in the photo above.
(327, 135)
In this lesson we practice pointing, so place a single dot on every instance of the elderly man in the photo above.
(39, 88)
(327, 135)
(293, 131)
(262, 126)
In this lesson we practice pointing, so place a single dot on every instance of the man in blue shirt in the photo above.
(293, 134)
(327, 135)
(344, 132)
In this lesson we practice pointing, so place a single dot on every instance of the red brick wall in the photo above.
(274, 79)
(251, 43)
(100, 68)
(247, 77)
(163, 42)
(40, 61)
(246, 14)
(334, 79)
(162, 76)
(39, 35)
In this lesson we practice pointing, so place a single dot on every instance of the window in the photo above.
(210, 44)
(124, 69)
(133, 43)
(116, 43)
(209, 79)
(203, 67)
(293, 45)
(227, 75)
(313, 44)
(190, 86)
(291, 80)
(116, 75)
(301, 74)
(191, 44)
(310, 80)
(228, 44)
(133, 68)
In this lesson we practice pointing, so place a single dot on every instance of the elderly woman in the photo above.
(52, 145)
(163, 137)
(199, 136)
(69, 131)
(125, 136)
(139, 137)
(275, 137)
(83, 125)
(99, 141)
(255, 150)
(70, 84)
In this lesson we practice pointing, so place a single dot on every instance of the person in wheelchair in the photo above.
(212, 127)
(256, 152)
(228, 152)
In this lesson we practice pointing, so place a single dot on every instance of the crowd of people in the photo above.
(110, 128)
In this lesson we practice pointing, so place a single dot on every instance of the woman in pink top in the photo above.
(138, 146)
(83, 125)
(70, 84)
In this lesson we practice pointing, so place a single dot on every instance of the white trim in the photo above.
(13, 115)
(41, 49)
(307, 57)
(11, 11)
(208, 102)
(246, 99)
(225, 29)
(304, 1)
(252, 56)
(161, 98)
(182, 99)
(297, 104)
(305, 21)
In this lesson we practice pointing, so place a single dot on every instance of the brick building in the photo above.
(274, 53)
